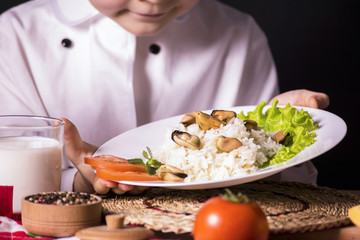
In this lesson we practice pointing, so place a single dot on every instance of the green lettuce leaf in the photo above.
(298, 124)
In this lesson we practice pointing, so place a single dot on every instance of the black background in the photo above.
(315, 44)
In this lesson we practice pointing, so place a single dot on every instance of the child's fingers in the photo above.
(102, 186)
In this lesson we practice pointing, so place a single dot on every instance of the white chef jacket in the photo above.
(62, 58)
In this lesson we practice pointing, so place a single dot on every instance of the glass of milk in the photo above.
(31, 154)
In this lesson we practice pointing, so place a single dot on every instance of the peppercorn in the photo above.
(62, 198)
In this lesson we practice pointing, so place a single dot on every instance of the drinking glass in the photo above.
(31, 155)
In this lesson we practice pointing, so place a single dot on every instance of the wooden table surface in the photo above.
(350, 232)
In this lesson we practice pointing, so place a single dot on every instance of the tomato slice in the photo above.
(114, 163)
(124, 176)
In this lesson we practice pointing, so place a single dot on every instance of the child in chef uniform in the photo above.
(112, 65)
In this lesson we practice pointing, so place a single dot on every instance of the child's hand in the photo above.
(86, 179)
(304, 98)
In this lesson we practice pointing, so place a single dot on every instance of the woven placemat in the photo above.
(290, 207)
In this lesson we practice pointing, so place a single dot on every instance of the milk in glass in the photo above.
(31, 165)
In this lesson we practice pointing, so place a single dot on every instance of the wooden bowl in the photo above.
(59, 220)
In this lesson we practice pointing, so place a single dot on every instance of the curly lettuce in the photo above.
(297, 124)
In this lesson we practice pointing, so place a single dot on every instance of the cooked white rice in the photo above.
(207, 163)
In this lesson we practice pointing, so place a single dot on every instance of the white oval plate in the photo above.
(131, 144)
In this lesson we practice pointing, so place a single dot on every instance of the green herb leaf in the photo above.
(136, 161)
(144, 153)
(151, 164)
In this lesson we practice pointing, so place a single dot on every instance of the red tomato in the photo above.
(219, 218)
(124, 176)
(114, 163)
